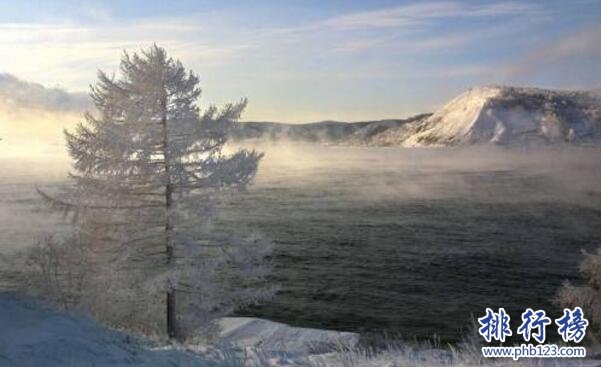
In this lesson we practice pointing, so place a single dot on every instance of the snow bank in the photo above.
(274, 336)
(33, 336)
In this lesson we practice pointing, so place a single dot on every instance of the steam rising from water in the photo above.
(414, 241)
(372, 174)
(351, 174)
(28, 133)
(407, 227)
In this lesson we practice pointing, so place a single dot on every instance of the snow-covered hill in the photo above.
(507, 116)
(484, 115)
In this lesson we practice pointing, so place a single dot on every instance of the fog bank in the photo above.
(346, 174)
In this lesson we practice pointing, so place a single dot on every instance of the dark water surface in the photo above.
(407, 241)
(416, 242)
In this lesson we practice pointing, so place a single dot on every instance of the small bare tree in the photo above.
(586, 295)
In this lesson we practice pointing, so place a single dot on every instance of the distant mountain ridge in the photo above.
(334, 132)
(501, 115)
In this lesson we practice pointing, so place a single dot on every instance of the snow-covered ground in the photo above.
(275, 336)
(32, 335)
(35, 336)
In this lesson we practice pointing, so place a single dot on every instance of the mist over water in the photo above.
(411, 241)
(23, 218)
(374, 174)
(416, 241)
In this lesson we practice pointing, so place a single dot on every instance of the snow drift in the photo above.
(273, 336)
(32, 335)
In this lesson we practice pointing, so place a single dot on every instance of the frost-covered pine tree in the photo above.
(148, 167)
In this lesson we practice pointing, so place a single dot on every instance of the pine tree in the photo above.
(148, 167)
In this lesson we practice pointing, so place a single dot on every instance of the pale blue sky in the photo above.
(315, 60)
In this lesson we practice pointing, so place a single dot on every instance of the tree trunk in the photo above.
(169, 244)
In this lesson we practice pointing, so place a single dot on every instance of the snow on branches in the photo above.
(148, 166)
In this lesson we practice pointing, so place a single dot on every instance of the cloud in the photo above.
(75, 50)
(17, 93)
(208, 43)
(245, 52)
(32, 117)
(563, 56)
(410, 15)
(20, 93)
(96, 11)
(408, 29)
(412, 46)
